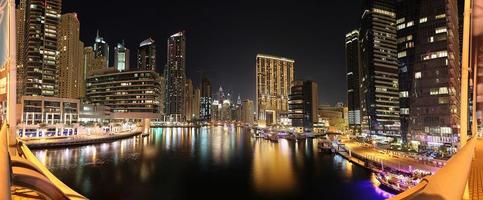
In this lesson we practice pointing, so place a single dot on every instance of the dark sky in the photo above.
(223, 37)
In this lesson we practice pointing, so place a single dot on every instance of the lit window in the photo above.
(401, 54)
(443, 90)
(440, 16)
(443, 100)
(400, 20)
(440, 30)
(417, 75)
(405, 111)
(404, 94)
(401, 26)
(434, 91)
(409, 24)
(446, 130)
(422, 20)
(431, 39)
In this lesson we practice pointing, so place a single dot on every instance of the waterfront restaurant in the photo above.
(47, 116)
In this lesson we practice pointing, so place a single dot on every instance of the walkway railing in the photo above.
(447, 183)
(5, 192)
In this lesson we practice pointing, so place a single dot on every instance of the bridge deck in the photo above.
(475, 181)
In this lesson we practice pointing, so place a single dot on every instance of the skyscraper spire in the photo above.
(238, 100)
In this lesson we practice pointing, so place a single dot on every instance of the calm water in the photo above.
(217, 163)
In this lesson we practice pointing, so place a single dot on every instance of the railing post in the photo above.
(5, 172)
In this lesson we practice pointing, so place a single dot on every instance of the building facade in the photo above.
(147, 56)
(48, 116)
(71, 61)
(129, 94)
(188, 100)
(247, 112)
(121, 57)
(175, 76)
(352, 59)
(91, 63)
(379, 69)
(205, 100)
(429, 52)
(39, 75)
(101, 49)
(303, 103)
(274, 76)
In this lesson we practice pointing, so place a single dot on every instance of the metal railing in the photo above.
(447, 183)
(5, 171)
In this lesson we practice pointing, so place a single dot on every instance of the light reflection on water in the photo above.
(225, 158)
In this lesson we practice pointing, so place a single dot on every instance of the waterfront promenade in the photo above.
(386, 159)
(80, 140)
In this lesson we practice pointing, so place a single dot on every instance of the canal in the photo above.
(222, 162)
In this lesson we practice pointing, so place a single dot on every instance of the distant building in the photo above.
(188, 100)
(71, 62)
(175, 76)
(334, 115)
(303, 102)
(216, 111)
(147, 56)
(205, 100)
(39, 74)
(101, 49)
(274, 76)
(91, 113)
(121, 57)
(129, 94)
(91, 63)
(352, 59)
(247, 112)
(42, 116)
(196, 105)
(379, 69)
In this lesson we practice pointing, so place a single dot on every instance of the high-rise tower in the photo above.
(121, 57)
(428, 53)
(175, 76)
(101, 48)
(352, 59)
(273, 79)
(379, 69)
(71, 62)
(205, 110)
(147, 55)
(39, 75)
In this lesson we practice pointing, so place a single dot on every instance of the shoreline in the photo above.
(71, 142)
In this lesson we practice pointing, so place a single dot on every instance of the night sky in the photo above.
(223, 37)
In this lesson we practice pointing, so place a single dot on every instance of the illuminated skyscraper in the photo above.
(379, 69)
(429, 52)
(196, 105)
(273, 79)
(247, 112)
(20, 23)
(91, 63)
(147, 55)
(188, 100)
(121, 57)
(205, 110)
(101, 48)
(71, 70)
(352, 59)
(175, 76)
(40, 48)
